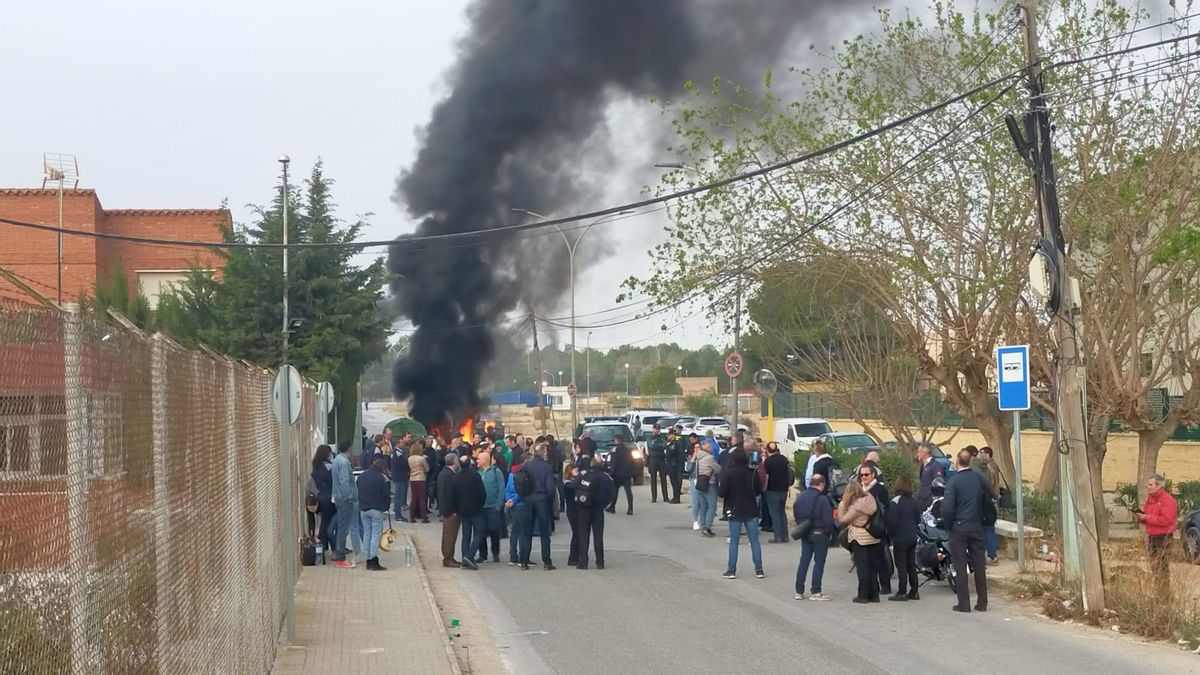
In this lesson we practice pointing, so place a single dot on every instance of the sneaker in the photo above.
(549, 567)
(993, 561)
(758, 574)
(343, 563)
(819, 597)
(899, 597)
(710, 533)
(799, 596)
(730, 575)
(511, 563)
(469, 563)
(695, 524)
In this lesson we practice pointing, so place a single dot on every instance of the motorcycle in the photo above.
(933, 547)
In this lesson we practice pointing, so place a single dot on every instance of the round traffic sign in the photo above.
(733, 364)
(765, 383)
(287, 394)
(572, 390)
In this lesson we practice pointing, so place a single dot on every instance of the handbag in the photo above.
(876, 527)
(388, 538)
(703, 482)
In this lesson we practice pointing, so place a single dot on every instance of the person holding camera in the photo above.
(813, 513)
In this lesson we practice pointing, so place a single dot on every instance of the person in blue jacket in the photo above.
(812, 504)
(520, 516)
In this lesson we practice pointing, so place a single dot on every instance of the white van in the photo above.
(795, 434)
(644, 419)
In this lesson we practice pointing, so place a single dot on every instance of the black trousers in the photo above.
(966, 545)
(884, 570)
(658, 474)
(866, 563)
(626, 483)
(591, 527)
(573, 521)
(675, 471)
(906, 566)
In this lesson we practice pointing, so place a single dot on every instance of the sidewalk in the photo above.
(355, 621)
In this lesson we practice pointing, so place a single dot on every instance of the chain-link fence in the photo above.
(142, 524)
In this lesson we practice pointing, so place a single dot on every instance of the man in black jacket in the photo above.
(929, 471)
(622, 474)
(676, 452)
(468, 497)
(777, 490)
(373, 491)
(400, 472)
(872, 481)
(740, 490)
(962, 510)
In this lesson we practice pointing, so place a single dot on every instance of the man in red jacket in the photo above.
(1159, 515)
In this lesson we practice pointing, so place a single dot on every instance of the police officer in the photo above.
(656, 448)
(676, 451)
(590, 490)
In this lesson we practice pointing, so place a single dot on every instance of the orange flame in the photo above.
(467, 429)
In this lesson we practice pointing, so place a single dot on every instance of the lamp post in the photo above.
(285, 436)
(559, 380)
(572, 246)
(627, 380)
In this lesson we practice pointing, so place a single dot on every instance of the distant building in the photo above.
(32, 255)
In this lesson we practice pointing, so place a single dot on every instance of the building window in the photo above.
(32, 435)
(154, 283)
(1147, 364)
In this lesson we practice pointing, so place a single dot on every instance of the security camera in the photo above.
(295, 324)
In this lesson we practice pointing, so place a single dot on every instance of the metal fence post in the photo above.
(162, 503)
(235, 590)
(77, 534)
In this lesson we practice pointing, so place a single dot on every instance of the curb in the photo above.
(455, 668)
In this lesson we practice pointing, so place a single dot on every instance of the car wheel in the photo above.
(1191, 542)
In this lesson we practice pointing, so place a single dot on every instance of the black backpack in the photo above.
(523, 482)
(583, 492)
(988, 507)
(876, 525)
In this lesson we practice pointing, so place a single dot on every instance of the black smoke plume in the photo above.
(529, 91)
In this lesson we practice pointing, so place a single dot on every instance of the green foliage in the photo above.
(894, 465)
(1041, 510)
(704, 404)
(659, 380)
(114, 293)
(1187, 494)
(1126, 495)
(343, 329)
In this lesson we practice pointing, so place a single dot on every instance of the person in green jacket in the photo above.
(657, 462)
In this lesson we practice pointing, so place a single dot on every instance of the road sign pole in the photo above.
(1019, 492)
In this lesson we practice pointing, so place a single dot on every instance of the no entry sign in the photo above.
(733, 364)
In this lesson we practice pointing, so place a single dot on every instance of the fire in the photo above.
(467, 428)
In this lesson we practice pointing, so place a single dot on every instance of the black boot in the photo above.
(379, 567)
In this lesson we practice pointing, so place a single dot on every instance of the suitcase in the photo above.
(308, 554)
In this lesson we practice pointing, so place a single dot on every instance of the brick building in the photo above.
(31, 255)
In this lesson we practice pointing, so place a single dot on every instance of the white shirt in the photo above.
(808, 470)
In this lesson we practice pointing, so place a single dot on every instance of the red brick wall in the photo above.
(33, 254)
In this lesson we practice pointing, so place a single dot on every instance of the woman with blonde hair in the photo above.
(854, 513)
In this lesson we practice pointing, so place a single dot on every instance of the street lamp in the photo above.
(559, 381)
(626, 379)
(571, 248)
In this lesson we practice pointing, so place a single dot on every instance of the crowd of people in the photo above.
(491, 488)
(482, 490)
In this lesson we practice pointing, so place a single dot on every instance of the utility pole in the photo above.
(538, 352)
(285, 435)
(1081, 546)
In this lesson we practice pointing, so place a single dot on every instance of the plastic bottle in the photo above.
(320, 553)
(408, 555)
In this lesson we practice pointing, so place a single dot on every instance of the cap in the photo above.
(657, 428)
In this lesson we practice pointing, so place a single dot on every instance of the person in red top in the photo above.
(1159, 515)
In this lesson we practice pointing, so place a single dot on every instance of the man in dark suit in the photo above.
(962, 510)
(622, 474)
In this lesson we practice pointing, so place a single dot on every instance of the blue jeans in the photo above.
(735, 538)
(400, 500)
(474, 529)
(815, 547)
(779, 526)
(346, 514)
(705, 503)
(521, 520)
(537, 517)
(372, 525)
(695, 500)
(989, 540)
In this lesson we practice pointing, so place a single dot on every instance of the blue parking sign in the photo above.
(1012, 377)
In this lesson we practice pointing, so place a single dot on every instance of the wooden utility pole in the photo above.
(538, 379)
(1081, 544)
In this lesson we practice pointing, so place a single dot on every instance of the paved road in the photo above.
(661, 606)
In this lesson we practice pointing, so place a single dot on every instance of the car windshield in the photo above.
(651, 420)
(854, 441)
(686, 420)
(712, 421)
(668, 422)
(812, 429)
(604, 434)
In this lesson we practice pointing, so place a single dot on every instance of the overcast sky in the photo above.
(171, 105)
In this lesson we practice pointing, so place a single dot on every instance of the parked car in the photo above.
(850, 440)
(688, 422)
(644, 419)
(605, 434)
(1190, 534)
(938, 456)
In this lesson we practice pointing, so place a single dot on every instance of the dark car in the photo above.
(1190, 526)
(605, 433)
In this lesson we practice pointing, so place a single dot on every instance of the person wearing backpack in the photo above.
(813, 513)
(856, 513)
(540, 492)
(968, 506)
(519, 511)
